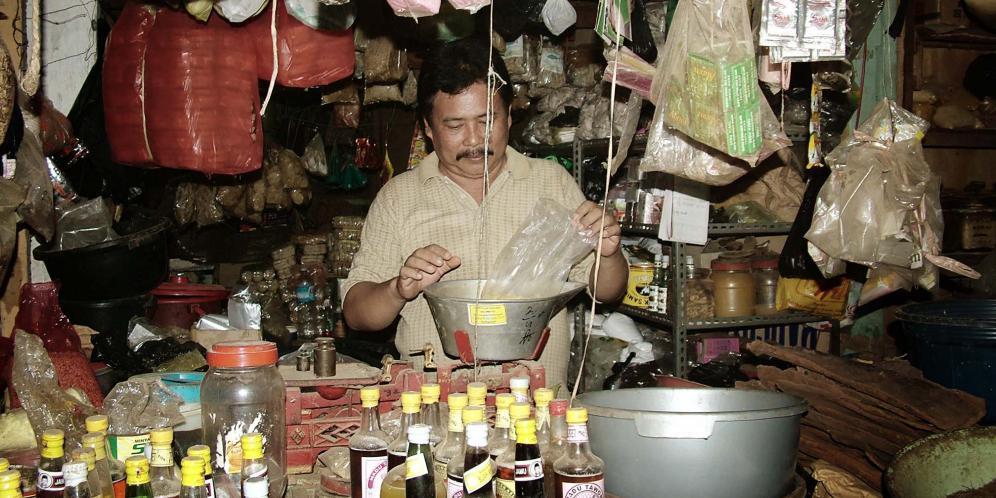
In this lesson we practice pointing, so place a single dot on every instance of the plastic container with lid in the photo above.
(734, 287)
(766, 284)
(243, 393)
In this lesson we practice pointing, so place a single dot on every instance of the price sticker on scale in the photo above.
(487, 315)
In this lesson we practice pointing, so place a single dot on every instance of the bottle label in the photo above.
(529, 470)
(503, 419)
(542, 417)
(209, 486)
(521, 396)
(504, 488)
(415, 466)
(439, 468)
(50, 481)
(479, 475)
(123, 447)
(161, 457)
(454, 488)
(577, 433)
(373, 471)
(594, 489)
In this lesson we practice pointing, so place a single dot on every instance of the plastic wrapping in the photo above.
(672, 152)
(558, 15)
(632, 71)
(823, 298)
(11, 196)
(414, 8)
(306, 56)
(376, 94)
(551, 66)
(323, 14)
(314, 159)
(522, 58)
(345, 93)
(347, 115)
(594, 121)
(32, 174)
(123, 80)
(238, 11)
(136, 407)
(83, 225)
(471, 6)
(384, 62)
(537, 260)
(16, 432)
(795, 261)
(706, 85)
(37, 386)
(39, 313)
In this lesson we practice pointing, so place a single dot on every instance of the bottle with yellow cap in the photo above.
(558, 440)
(88, 456)
(51, 482)
(10, 483)
(255, 479)
(204, 453)
(76, 485)
(519, 387)
(94, 441)
(192, 478)
(578, 472)
(164, 481)
(432, 415)
(453, 444)
(498, 440)
(368, 448)
(543, 397)
(455, 467)
(528, 462)
(411, 405)
(505, 479)
(138, 481)
(477, 394)
(125, 445)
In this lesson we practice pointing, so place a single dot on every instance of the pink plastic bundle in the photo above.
(471, 6)
(414, 8)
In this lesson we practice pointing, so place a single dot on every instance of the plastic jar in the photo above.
(734, 287)
(699, 298)
(243, 392)
(766, 285)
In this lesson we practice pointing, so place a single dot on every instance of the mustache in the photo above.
(474, 152)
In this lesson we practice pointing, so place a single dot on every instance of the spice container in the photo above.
(699, 300)
(641, 275)
(765, 272)
(734, 286)
(242, 393)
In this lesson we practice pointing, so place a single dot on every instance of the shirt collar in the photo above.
(516, 163)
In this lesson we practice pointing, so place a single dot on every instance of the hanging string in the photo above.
(273, 73)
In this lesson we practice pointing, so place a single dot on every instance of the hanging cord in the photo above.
(31, 78)
(273, 73)
(601, 230)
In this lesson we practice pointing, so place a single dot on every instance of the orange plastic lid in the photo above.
(241, 354)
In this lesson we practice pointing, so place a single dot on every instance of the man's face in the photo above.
(456, 128)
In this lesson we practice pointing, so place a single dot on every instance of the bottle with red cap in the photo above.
(243, 393)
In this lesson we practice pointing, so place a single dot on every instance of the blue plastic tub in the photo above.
(956, 345)
(185, 384)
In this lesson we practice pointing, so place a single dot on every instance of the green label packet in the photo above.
(723, 105)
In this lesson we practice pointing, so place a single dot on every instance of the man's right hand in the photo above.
(423, 268)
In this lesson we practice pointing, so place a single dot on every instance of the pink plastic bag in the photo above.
(471, 6)
(122, 75)
(414, 8)
(39, 313)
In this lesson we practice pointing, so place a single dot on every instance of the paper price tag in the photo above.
(487, 315)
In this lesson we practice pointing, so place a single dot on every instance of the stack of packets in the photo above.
(284, 262)
(313, 248)
(804, 30)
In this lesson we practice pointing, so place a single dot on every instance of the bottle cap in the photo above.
(518, 383)
(411, 402)
(543, 396)
(97, 423)
(370, 394)
(161, 436)
(430, 393)
(204, 453)
(457, 401)
(74, 473)
(477, 434)
(10, 479)
(87, 456)
(504, 400)
(477, 391)
(519, 410)
(4, 465)
(192, 471)
(52, 437)
(252, 445)
(558, 407)
(242, 354)
(525, 431)
(419, 434)
(137, 469)
(577, 416)
(473, 414)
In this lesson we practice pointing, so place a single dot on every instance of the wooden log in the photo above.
(819, 445)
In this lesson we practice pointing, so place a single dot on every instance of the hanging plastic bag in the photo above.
(414, 8)
(707, 84)
(239, 10)
(123, 84)
(314, 159)
(39, 313)
(471, 6)
(672, 152)
(558, 15)
(319, 14)
(537, 260)
(551, 66)
(384, 62)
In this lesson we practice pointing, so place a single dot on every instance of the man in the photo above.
(425, 224)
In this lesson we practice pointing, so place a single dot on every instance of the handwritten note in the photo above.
(685, 213)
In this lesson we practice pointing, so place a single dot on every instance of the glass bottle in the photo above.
(454, 441)
(499, 437)
(368, 448)
(505, 481)
(95, 442)
(477, 394)
(255, 481)
(204, 453)
(76, 485)
(419, 481)
(528, 463)
(164, 481)
(397, 451)
(519, 386)
(479, 469)
(138, 483)
(10, 483)
(431, 414)
(578, 472)
(192, 478)
(558, 432)
(454, 469)
(543, 397)
(50, 481)
(652, 303)
(115, 467)
(88, 456)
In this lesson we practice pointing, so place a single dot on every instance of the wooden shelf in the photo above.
(960, 139)
(961, 39)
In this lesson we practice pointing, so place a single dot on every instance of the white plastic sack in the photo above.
(239, 10)
(319, 14)
(558, 15)
(414, 8)
(471, 6)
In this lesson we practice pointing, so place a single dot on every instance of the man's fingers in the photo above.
(410, 273)
(439, 251)
(422, 265)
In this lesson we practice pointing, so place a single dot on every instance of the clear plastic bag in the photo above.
(11, 196)
(537, 260)
(706, 85)
(551, 66)
(83, 225)
(314, 159)
(135, 407)
(471, 6)
(414, 8)
(558, 15)
(384, 62)
(39, 313)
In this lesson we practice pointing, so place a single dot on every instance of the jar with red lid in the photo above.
(733, 287)
(243, 392)
(765, 272)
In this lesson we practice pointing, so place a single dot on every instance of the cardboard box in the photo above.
(946, 12)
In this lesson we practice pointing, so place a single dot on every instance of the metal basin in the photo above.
(943, 464)
(704, 443)
(499, 330)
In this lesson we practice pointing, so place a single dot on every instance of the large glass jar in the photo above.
(766, 284)
(734, 287)
(243, 392)
(699, 299)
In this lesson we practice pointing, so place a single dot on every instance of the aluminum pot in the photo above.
(695, 442)
(944, 464)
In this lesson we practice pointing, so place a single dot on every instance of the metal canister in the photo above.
(303, 362)
(324, 357)
(637, 291)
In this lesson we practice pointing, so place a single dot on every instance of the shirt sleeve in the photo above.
(378, 258)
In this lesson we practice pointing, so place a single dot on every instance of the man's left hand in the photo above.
(589, 217)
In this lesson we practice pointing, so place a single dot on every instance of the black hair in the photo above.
(453, 67)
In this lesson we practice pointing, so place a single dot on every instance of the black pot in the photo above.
(107, 317)
(127, 266)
